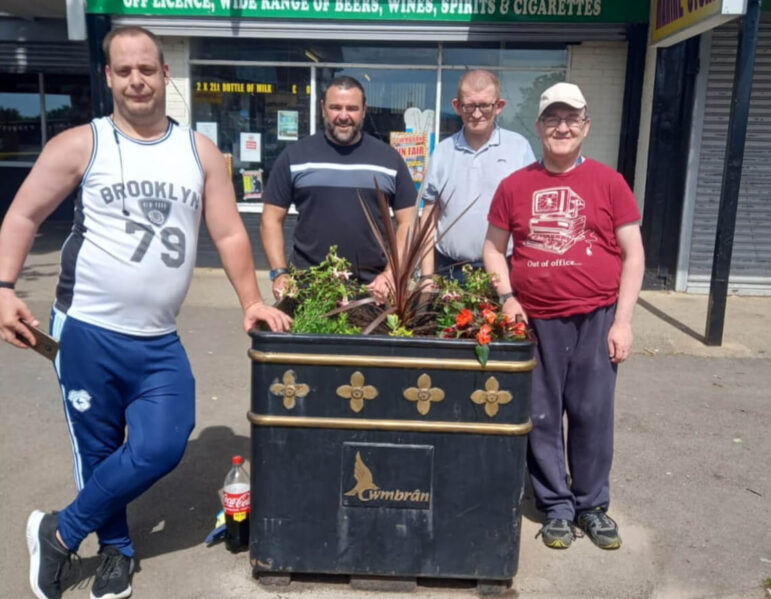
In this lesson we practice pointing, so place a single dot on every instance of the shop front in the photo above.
(250, 74)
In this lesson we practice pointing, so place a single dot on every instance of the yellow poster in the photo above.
(413, 147)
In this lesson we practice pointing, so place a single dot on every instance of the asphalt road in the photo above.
(690, 485)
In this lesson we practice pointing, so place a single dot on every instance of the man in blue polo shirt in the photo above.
(466, 166)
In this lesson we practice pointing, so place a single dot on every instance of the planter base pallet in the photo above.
(352, 475)
(379, 583)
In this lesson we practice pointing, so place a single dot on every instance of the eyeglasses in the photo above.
(485, 109)
(573, 122)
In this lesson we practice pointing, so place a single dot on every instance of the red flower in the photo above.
(483, 336)
(520, 329)
(489, 316)
(507, 320)
(464, 318)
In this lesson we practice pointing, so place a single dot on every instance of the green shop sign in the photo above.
(455, 11)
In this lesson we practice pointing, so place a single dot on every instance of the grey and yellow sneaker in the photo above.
(557, 533)
(600, 528)
(113, 576)
(48, 558)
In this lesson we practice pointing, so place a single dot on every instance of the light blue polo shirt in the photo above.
(461, 174)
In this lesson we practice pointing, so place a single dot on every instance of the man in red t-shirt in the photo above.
(576, 271)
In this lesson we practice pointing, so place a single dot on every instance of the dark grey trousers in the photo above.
(574, 376)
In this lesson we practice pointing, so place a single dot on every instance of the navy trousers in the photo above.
(574, 377)
(113, 383)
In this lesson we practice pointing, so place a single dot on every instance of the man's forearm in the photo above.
(632, 270)
(236, 254)
(496, 265)
(428, 261)
(16, 237)
(272, 234)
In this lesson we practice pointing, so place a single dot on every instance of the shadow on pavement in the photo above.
(180, 509)
(671, 321)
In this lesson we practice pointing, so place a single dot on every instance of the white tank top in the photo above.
(127, 264)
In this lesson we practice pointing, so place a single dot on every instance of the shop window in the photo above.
(520, 88)
(313, 51)
(20, 139)
(503, 55)
(380, 53)
(67, 103)
(397, 99)
(252, 114)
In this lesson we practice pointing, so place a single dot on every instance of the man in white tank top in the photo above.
(145, 182)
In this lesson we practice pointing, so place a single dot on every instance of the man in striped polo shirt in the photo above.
(324, 175)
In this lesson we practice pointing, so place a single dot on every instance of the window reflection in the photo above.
(520, 89)
(501, 55)
(19, 118)
(67, 103)
(390, 92)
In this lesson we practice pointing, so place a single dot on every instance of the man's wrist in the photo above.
(254, 302)
(7, 285)
(503, 297)
(277, 272)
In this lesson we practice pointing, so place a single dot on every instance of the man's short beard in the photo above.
(332, 134)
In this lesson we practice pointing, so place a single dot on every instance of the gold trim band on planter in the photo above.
(389, 362)
(367, 424)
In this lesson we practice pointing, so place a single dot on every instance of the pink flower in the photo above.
(341, 274)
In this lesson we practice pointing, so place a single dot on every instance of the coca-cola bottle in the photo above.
(236, 496)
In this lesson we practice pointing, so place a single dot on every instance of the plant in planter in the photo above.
(325, 299)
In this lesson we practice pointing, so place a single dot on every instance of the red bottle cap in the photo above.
(237, 460)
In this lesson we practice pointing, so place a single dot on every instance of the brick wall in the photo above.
(176, 51)
(599, 69)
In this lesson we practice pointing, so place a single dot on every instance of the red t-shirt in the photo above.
(566, 258)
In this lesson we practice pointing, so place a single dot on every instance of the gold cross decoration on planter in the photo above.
(424, 394)
(289, 390)
(357, 391)
(491, 397)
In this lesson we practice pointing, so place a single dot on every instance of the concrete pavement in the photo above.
(690, 485)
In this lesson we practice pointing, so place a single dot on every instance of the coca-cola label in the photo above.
(236, 503)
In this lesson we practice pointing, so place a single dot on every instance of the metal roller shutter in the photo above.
(751, 258)
(45, 57)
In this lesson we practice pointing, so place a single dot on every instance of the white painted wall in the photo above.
(599, 69)
(176, 51)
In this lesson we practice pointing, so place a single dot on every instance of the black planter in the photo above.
(382, 456)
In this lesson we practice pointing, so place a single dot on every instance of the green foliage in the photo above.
(322, 289)
(395, 329)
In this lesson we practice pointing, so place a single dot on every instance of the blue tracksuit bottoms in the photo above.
(130, 407)
(574, 377)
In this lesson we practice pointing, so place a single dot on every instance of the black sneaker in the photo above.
(557, 533)
(47, 556)
(113, 576)
(600, 528)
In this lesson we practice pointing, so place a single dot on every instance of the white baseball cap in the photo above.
(562, 93)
